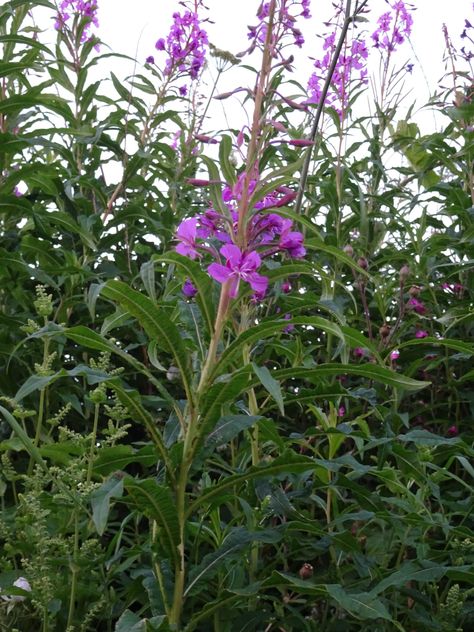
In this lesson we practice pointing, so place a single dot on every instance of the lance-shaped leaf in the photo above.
(201, 281)
(156, 324)
(370, 371)
(100, 500)
(349, 336)
(287, 463)
(270, 384)
(157, 503)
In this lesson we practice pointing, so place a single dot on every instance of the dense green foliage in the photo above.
(307, 477)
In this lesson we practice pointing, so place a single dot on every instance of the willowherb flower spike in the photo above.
(82, 9)
(185, 45)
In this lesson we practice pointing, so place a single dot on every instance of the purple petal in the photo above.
(258, 283)
(233, 254)
(251, 262)
(187, 229)
(219, 272)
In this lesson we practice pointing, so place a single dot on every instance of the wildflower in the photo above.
(417, 306)
(341, 411)
(452, 431)
(359, 352)
(21, 583)
(187, 233)
(289, 328)
(393, 28)
(185, 45)
(150, 59)
(421, 333)
(83, 10)
(239, 266)
(286, 287)
(394, 355)
(188, 289)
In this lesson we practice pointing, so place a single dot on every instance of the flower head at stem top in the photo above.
(239, 266)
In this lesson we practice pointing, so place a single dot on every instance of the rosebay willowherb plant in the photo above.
(235, 366)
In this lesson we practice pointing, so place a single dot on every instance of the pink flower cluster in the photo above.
(215, 234)
(185, 45)
(84, 9)
(388, 36)
(352, 64)
(287, 12)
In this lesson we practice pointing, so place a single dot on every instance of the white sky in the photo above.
(133, 28)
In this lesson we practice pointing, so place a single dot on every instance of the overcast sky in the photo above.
(134, 27)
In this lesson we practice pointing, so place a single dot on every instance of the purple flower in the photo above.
(417, 306)
(291, 241)
(387, 37)
(452, 431)
(185, 45)
(359, 352)
(239, 265)
(394, 355)
(150, 59)
(286, 287)
(187, 233)
(188, 289)
(289, 328)
(341, 411)
(83, 9)
(421, 333)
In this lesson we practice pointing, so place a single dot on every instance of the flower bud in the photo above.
(286, 287)
(306, 571)
(348, 250)
(404, 273)
(384, 331)
(362, 263)
(414, 290)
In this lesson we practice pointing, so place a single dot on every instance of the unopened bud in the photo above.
(301, 142)
(286, 287)
(414, 290)
(204, 138)
(349, 250)
(306, 571)
(362, 263)
(404, 273)
(196, 182)
(384, 331)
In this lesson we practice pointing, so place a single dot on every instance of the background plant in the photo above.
(226, 406)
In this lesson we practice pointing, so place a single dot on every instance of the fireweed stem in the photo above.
(252, 154)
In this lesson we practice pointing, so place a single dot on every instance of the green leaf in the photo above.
(287, 463)
(131, 400)
(100, 500)
(24, 438)
(201, 281)
(92, 340)
(231, 547)
(147, 274)
(410, 572)
(156, 324)
(270, 384)
(157, 503)
(130, 622)
(227, 168)
(457, 345)
(371, 372)
(346, 334)
(360, 605)
(229, 427)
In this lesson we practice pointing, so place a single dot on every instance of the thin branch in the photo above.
(348, 18)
